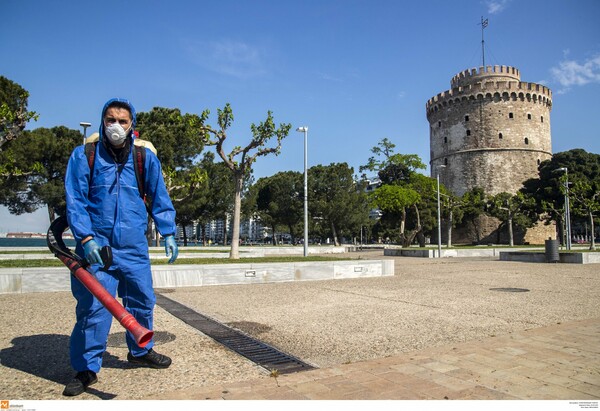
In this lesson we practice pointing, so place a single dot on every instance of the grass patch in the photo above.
(192, 251)
(578, 250)
(30, 263)
(182, 261)
(274, 259)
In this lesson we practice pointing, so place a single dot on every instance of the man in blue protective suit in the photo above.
(104, 208)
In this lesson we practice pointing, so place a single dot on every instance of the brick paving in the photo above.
(560, 362)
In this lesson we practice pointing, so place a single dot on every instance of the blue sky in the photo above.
(353, 72)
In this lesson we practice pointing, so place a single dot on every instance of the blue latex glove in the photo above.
(171, 248)
(92, 252)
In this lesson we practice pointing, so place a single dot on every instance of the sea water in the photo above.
(30, 242)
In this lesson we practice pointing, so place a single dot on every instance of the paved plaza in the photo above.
(450, 328)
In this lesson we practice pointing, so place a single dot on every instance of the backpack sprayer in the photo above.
(77, 266)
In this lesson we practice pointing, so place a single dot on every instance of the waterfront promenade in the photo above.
(450, 328)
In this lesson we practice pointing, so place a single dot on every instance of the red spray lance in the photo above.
(77, 266)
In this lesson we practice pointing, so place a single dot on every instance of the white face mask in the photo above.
(116, 134)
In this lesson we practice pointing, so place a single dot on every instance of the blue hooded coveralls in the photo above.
(107, 206)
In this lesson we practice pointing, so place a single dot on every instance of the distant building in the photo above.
(371, 185)
(251, 230)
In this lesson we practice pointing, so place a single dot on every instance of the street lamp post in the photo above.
(567, 207)
(304, 130)
(439, 214)
(85, 126)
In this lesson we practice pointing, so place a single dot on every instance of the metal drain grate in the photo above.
(118, 339)
(251, 348)
(510, 290)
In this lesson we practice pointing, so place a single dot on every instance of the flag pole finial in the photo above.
(484, 24)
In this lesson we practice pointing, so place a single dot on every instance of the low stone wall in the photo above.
(184, 276)
(28, 280)
(407, 252)
(452, 252)
(523, 256)
(565, 258)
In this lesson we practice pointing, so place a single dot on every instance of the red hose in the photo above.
(141, 334)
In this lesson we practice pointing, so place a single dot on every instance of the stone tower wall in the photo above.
(490, 130)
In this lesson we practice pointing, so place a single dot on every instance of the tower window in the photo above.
(466, 118)
(526, 140)
(500, 136)
(439, 123)
(528, 116)
(446, 161)
(468, 132)
(542, 119)
(510, 115)
(539, 162)
(445, 140)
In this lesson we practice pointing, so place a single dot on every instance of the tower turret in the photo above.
(490, 130)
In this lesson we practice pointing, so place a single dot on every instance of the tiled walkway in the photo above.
(560, 362)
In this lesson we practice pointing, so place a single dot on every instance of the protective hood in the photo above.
(123, 101)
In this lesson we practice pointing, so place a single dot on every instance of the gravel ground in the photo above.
(35, 363)
(427, 303)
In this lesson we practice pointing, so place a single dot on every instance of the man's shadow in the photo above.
(47, 356)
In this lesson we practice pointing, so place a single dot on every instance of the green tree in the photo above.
(14, 115)
(513, 210)
(178, 143)
(188, 191)
(473, 207)
(175, 136)
(45, 153)
(452, 212)
(424, 213)
(240, 160)
(336, 200)
(395, 199)
(414, 193)
(586, 203)
(382, 152)
(548, 189)
(252, 208)
(217, 201)
(280, 200)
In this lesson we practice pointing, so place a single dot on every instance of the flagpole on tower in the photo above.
(484, 24)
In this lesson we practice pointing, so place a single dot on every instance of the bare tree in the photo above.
(240, 160)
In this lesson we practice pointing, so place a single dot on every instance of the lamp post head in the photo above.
(561, 169)
(302, 129)
(84, 124)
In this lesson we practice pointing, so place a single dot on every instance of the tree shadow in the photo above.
(47, 356)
